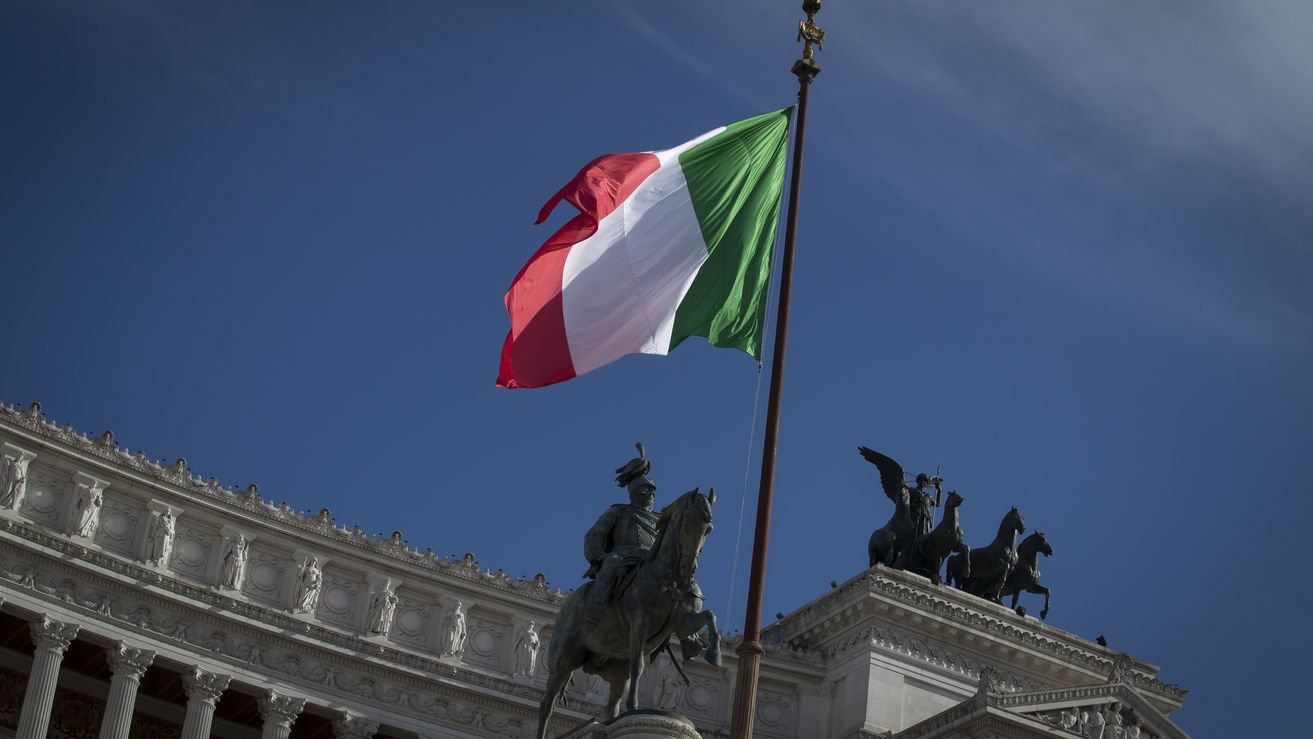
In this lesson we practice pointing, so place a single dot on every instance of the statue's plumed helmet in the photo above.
(922, 479)
(640, 483)
(628, 473)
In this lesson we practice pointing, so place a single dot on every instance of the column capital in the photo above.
(53, 635)
(204, 686)
(351, 726)
(129, 661)
(280, 710)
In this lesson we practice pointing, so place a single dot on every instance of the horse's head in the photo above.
(954, 500)
(682, 528)
(1041, 544)
(1015, 521)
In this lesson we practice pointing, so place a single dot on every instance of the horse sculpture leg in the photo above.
(557, 677)
(1038, 589)
(692, 622)
(616, 673)
(638, 630)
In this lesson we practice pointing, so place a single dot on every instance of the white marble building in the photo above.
(138, 600)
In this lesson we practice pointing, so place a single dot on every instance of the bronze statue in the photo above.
(927, 553)
(1025, 575)
(622, 535)
(913, 511)
(657, 601)
(988, 567)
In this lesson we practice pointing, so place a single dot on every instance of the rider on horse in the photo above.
(622, 535)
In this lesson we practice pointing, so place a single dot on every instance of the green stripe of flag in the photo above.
(735, 180)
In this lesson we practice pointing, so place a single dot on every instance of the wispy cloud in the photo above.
(1155, 110)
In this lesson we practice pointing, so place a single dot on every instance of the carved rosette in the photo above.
(351, 726)
(280, 710)
(54, 636)
(129, 661)
(204, 686)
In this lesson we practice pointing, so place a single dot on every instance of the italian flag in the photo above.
(667, 245)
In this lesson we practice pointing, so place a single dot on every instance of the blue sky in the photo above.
(1059, 248)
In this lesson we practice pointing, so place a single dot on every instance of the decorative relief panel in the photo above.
(266, 572)
(701, 698)
(46, 496)
(412, 623)
(485, 644)
(118, 524)
(775, 711)
(194, 549)
(337, 605)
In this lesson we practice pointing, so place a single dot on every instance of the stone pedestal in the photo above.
(646, 725)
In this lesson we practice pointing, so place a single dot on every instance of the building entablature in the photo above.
(954, 634)
(1113, 709)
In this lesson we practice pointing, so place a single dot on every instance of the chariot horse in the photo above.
(990, 565)
(1025, 575)
(654, 602)
(929, 550)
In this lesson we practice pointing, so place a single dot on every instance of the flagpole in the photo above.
(750, 650)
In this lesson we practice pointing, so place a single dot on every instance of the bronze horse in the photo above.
(887, 541)
(1025, 575)
(656, 602)
(928, 551)
(989, 566)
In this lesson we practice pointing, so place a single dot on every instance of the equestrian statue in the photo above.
(913, 511)
(643, 595)
(1025, 575)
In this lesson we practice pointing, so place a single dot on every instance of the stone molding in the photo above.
(316, 527)
(951, 606)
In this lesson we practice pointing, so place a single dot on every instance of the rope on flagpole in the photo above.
(743, 499)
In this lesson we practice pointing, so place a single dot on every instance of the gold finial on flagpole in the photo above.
(809, 33)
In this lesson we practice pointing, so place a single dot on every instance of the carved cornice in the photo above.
(952, 607)
(318, 526)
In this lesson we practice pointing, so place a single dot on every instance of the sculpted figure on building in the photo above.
(914, 513)
(12, 482)
(526, 650)
(382, 608)
(161, 537)
(308, 585)
(453, 631)
(234, 563)
(87, 510)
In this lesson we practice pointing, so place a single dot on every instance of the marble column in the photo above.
(52, 639)
(128, 665)
(351, 726)
(203, 691)
(279, 712)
